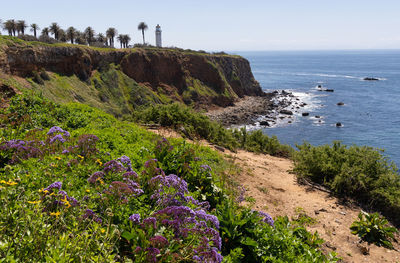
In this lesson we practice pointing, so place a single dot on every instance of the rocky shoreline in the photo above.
(264, 111)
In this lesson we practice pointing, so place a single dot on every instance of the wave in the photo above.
(315, 74)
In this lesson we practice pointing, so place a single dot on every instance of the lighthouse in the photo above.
(158, 36)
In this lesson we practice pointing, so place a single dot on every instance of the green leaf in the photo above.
(127, 235)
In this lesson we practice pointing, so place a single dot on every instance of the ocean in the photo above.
(371, 111)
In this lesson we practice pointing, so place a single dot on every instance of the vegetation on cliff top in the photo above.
(71, 190)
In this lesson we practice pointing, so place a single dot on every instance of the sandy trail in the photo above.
(268, 180)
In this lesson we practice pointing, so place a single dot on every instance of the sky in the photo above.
(228, 25)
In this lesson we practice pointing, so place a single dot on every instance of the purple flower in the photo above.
(266, 218)
(211, 218)
(205, 167)
(95, 177)
(130, 175)
(57, 137)
(135, 218)
(65, 152)
(150, 221)
(92, 215)
(159, 241)
(113, 166)
(55, 185)
(150, 162)
(152, 254)
(55, 129)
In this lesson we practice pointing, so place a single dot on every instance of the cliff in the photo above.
(195, 78)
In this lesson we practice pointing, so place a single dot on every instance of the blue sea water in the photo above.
(371, 114)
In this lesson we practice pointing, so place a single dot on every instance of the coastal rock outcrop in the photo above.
(192, 77)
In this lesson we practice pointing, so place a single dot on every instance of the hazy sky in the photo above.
(229, 24)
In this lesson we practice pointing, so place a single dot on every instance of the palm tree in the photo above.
(142, 26)
(21, 25)
(89, 34)
(62, 36)
(111, 33)
(121, 39)
(101, 38)
(34, 28)
(71, 34)
(10, 26)
(126, 39)
(80, 38)
(45, 31)
(54, 28)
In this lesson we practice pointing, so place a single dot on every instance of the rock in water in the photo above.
(287, 112)
(340, 104)
(264, 123)
(339, 124)
(370, 79)
(305, 114)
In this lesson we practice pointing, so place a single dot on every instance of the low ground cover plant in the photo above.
(78, 185)
(373, 228)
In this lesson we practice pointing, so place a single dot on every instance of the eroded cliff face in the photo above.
(194, 78)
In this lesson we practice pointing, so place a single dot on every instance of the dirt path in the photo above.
(275, 190)
(268, 180)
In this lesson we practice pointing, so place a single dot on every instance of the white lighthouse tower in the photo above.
(158, 36)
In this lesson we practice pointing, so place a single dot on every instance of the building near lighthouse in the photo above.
(158, 36)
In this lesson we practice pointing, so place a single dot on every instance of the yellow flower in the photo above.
(53, 165)
(57, 158)
(11, 183)
(99, 162)
(101, 181)
(80, 156)
(102, 230)
(56, 214)
(27, 175)
(34, 202)
(87, 190)
(66, 202)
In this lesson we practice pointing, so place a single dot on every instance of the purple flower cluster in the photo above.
(266, 218)
(184, 221)
(113, 166)
(116, 166)
(22, 150)
(70, 199)
(123, 190)
(89, 214)
(130, 175)
(150, 221)
(135, 218)
(152, 253)
(125, 160)
(56, 129)
(86, 145)
(242, 192)
(96, 177)
(59, 134)
(57, 137)
(159, 241)
(169, 190)
(55, 185)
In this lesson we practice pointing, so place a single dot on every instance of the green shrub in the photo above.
(357, 172)
(373, 228)
(197, 125)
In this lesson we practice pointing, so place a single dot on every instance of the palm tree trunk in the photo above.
(143, 36)
(34, 32)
